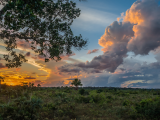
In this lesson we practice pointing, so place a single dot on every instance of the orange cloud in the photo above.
(17, 69)
(127, 83)
(134, 15)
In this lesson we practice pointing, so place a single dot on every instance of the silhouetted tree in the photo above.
(44, 24)
(1, 80)
(76, 82)
(39, 85)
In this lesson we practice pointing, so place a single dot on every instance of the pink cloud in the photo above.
(92, 51)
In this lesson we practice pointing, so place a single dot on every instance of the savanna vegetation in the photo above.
(28, 102)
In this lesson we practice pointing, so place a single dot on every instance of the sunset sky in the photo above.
(123, 49)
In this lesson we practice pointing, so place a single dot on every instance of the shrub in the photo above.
(99, 90)
(50, 106)
(66, 110)
(67, 90)
(109, 97)
(60, 94)
(133, 92)
(4, 86)
(85, 99)
(98, 98)
(126, 103)
(156, 93)
(149, 109)
(83, 92)
(22, 110)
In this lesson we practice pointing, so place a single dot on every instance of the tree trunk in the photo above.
(76, 87)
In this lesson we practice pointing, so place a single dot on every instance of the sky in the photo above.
(123, 49)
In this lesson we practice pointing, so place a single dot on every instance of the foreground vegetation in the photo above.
(65, 103)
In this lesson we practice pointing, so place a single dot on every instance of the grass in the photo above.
(66, 103)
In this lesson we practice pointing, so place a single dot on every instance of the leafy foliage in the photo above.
(45, 25)
(149, 108)
(83, 92)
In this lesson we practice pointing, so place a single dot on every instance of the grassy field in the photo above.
(66, 103)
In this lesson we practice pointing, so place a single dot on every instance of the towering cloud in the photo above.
(145, 17)
(138, 32)
(114, 41)
(118, 33)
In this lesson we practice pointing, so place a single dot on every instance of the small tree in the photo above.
(76, 82)
(39, 85)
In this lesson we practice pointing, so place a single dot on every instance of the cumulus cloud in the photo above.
(114, 42)
(92, 51)
(138, 32)
(145, 17)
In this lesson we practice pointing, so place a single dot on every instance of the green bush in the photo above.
(22, 110)
(156, 93)
(85, 99)
(67, 90)
(126, 103)
(109, 97)
(60, 94)
(99, 90)
(66, 110)
(149, 108)
(50, 106)
(83, 92)
(98, 98)
(133, 92)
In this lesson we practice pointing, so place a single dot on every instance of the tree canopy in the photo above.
(76, 82)
(45, 25)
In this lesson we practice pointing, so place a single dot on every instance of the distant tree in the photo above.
(1, 80)
(38, 85)
(45, 24)
(76, 82)
(31, 85)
